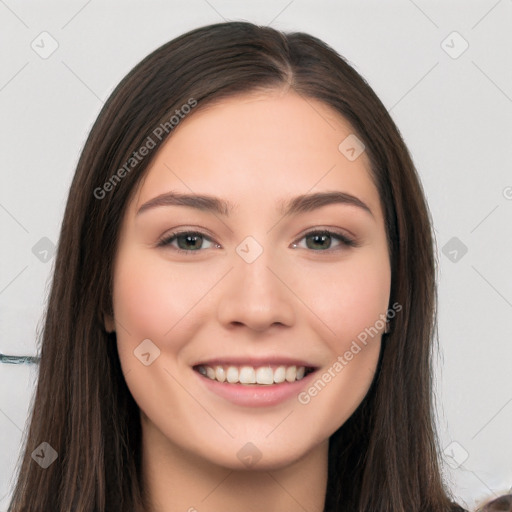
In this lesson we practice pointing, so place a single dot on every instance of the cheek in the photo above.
(349, 297)
(149, 299)
(350, 301)
(139, 302)
(150, 302)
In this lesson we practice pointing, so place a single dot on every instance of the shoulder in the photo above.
(503, 504)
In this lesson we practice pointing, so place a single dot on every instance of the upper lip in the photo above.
(255, 361)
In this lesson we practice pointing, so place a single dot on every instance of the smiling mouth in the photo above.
(262, 375)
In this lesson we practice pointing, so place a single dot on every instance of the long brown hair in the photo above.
(386, 456)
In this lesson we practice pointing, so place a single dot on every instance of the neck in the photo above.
(178, 480)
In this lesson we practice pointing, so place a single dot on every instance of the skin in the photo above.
(253, 150)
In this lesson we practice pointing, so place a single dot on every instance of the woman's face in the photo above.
(255, 291)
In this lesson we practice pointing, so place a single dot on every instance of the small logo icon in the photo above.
(249, 249)
(146, 352)
(44, 45)
(351, 147)
(455, 454)
(44, 455)
(44, 250)
(249, 454)
(454, 250)
(454, 45)
(507, 193)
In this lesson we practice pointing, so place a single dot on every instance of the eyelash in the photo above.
(166, 240)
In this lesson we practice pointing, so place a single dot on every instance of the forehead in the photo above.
(260, 147)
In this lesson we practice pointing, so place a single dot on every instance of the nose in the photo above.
(256, 295)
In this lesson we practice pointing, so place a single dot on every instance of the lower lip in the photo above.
(256, 395)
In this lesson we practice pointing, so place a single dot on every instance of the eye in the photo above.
(187, 241)
(322, 239)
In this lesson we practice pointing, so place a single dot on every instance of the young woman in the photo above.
(243, 304)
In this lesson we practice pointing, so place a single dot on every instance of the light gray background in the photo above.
(454, 112)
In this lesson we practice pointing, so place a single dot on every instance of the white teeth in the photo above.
(220, 374)
(264, 375)
(279, 374)
(247, 375)
(291, 373)
(232, 374)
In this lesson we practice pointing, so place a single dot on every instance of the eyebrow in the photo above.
(299, 204)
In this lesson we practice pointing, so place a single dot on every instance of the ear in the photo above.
(109, 323)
